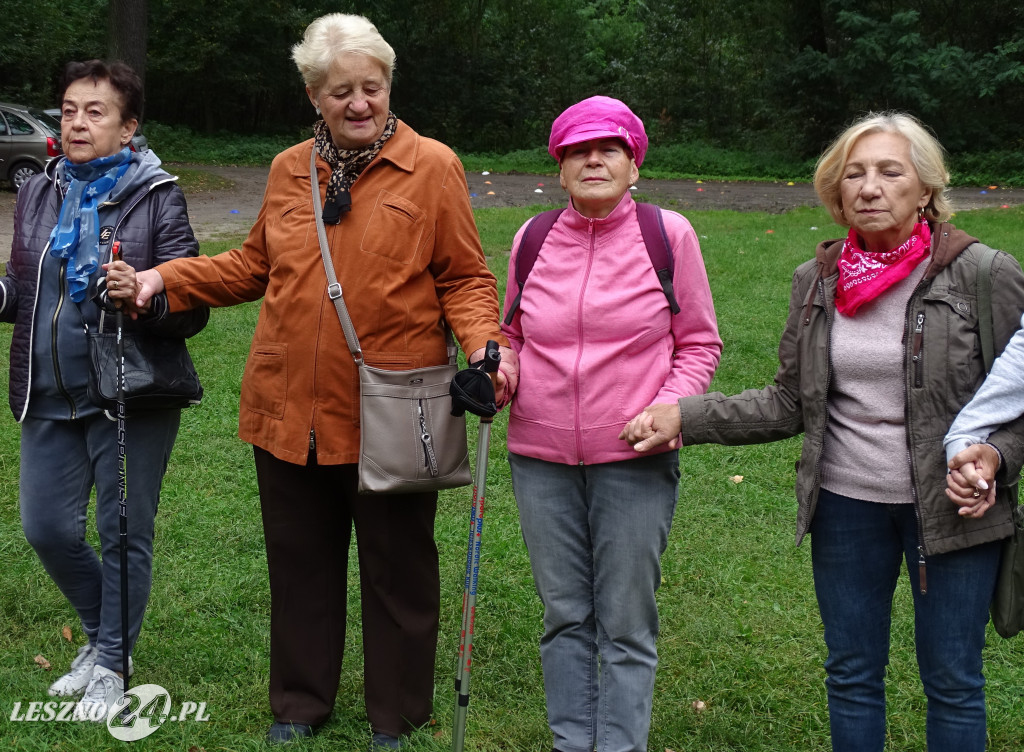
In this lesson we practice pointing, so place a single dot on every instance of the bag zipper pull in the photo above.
(922, 572)
(428, 446)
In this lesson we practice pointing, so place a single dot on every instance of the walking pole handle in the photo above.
(492, 357)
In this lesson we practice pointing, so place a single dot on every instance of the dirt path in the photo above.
(231, 212)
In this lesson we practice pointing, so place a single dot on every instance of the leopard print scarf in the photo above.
(346, 166)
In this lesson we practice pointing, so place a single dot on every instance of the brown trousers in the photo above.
(308, 515)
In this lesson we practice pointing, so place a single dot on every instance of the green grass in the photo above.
(739, 623)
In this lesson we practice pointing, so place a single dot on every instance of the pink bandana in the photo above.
(864, 275)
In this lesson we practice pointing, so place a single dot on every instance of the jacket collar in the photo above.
(623, 210)
(947, 243)
(400, 150)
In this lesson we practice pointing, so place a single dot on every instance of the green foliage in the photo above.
(696, 159)
(486, 76)
(37, 37)
(886, 56)
(1005, 167)
(180, 144)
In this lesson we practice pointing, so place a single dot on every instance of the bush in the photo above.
(179, 144)
(999, 167)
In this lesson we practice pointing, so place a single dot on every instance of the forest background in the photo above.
(775, 79)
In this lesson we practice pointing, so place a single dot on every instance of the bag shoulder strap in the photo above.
(983, 290)
(652, 228)
(334, 287)
(984, 293)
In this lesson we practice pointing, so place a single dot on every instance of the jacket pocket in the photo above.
(951, 348)
(395, 228)
(652, 353)
(265, 380)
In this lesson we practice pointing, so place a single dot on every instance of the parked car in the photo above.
(29, 138)
(139, 142)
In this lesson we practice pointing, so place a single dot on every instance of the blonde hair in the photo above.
(333, 35)
(926, 154)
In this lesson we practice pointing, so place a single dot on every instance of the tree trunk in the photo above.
(127, 35)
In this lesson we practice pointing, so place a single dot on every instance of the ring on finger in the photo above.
(116, 285)
(976, 493)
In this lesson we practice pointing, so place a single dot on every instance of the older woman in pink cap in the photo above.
(600, 336)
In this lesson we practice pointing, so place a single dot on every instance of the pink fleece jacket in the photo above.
(597, 342)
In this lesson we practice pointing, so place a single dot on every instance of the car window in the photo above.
(18, 125)
(47, 120)
(3, 123)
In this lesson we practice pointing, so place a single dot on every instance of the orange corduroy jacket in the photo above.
(407, 255)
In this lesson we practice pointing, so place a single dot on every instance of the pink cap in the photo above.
(598, 117)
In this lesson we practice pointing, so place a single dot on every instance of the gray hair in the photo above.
(333, 35)
(926, 154)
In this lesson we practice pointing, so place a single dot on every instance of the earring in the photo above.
(318, 112)
(920, 214)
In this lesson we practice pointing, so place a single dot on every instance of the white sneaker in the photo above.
(104, 690)
(77, 679)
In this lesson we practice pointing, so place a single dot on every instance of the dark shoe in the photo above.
(282, 733)
(381, 742)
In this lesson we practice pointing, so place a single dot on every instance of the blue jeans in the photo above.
(595, 535)
(61, 461)
(856, 551)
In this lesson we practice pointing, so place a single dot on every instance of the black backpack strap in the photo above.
(529, 249)
(652, 227)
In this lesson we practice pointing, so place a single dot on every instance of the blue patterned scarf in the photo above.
(77, 234)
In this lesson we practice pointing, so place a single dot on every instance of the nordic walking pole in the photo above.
(476, 523)
(122, 477)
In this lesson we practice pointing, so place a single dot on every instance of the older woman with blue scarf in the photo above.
(67, 222)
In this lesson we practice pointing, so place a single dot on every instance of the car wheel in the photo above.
(21, 172)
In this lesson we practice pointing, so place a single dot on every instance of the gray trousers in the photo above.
(61, 461)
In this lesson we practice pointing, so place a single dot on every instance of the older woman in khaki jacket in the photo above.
(405, 247)
(880, 351)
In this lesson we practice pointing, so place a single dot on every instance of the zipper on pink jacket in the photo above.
(579, 347)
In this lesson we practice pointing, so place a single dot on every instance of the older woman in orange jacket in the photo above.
(402, 236)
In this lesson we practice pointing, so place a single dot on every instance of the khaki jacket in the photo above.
(407, 255)
(943, 368)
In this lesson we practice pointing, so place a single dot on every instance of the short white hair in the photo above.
(333, 35)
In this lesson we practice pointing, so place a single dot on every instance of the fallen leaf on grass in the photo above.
(699, 706)
(42, 662)
(66, 633)
(194, 748)
(736, 479)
